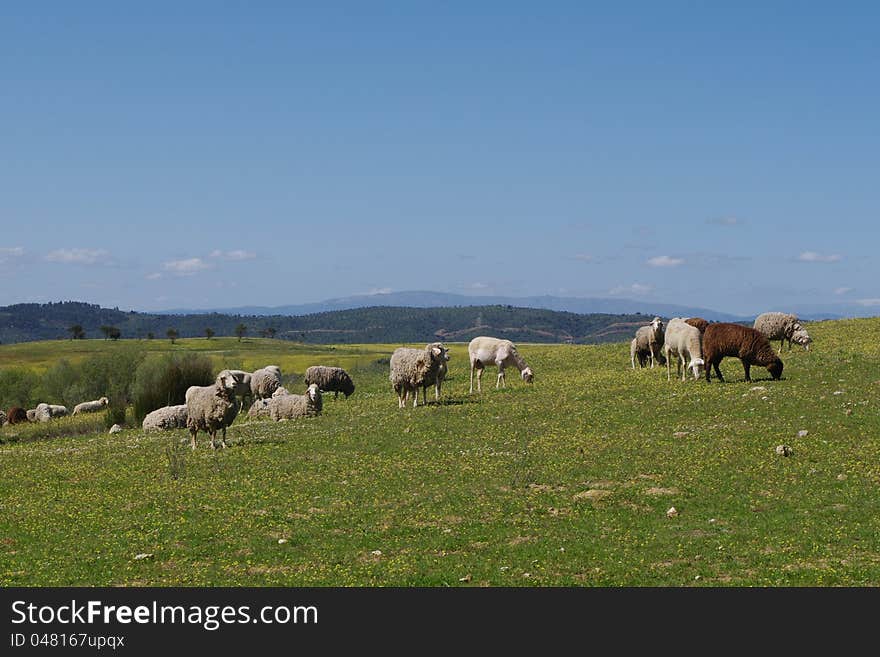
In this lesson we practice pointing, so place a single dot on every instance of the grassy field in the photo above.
(566, 482)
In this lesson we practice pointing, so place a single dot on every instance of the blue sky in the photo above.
(198, 155)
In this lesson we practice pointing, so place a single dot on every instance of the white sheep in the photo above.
(260, 407)
(683, 342)
(45, 412)
(290, 407)
(648, 339)
(410, 367)
(165, 418)
(801, 337)
(264, 381)
(31, 414)
(242, 386)
(330, 379)
(91, 406)
(485, 351)
(777, 326)
(212, 408)
(436, 377)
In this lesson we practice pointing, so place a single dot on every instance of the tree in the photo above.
(240, 330)
(172, 334)
(269, 332)
(76, 332)
(114, 333)
(106, 330)
(209, 332)
(150, 335)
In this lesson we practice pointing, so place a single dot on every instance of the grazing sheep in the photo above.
(682, 341)
(643, 355)
(698, 322)
(436, 378)
(264, 381)
(45, 412)
(212, 408)
(777, 326)
(32, 415)
(648, 338)
(165, 418)
(330, 379)
(801, 337)
(290, 407)
(17, 415)
(748, 344)
(484, 351)
(410, 368)
(91, 406)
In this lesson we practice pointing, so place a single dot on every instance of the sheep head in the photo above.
(527, 375)
(695, 365)
(313, 392)
(226, 381)
(775, 369)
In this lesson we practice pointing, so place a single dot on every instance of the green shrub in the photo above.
(17, 387)
(162, 380)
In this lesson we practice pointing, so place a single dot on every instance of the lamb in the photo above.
(212, 408)
(801, 337)
(165, 418)
(264, 381)
(330, 379)
(32, 415)
(698, 322)
(682, 341)
(91, 406)
(643, 355)
(45, 412)
(648, 338)
(436, 378)
(290, 407)
(17, 415)
(483, 351)
(410, 368)
(748, 344)
(778, 326)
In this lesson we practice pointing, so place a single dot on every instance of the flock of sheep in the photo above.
(699, 345)
(693, 342)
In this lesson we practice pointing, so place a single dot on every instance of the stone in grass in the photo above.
(783, 450)
(115, 429)
(803, 433)
(671, 512)
(680, 434)
(143, 555)
(466, 578)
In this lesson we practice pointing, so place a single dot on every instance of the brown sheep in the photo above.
(16, 415)
(698, 322)
(750, 346)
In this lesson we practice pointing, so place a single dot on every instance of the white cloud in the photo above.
(78, 256)
(154, 276)
(9, 252)
(868, 302)
(665, 261)
(812, 256)
(725, 221)
(235, 254)
(842, 290)
(379, 290)
(478, 286)
(583, 257)
(185, 267)
(636, 288)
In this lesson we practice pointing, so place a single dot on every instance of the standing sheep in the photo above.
(410, 368)
(290, 407)
(436, 378)
(697, 322)
(643, 355)
(243, 386)
(91, 406)
(648, 338)
(777, 326)
(682, 341)
(212, 408)
(484, 351)
(330, 379)
(165, 418)
(265, 380)
(801, 337)
(748, 344)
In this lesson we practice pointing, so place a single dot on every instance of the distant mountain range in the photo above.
(426, 299)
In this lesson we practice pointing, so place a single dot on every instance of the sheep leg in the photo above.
(747, 367)
(223, 439)
(668, 370)
(415, 396)
(472, 379)
(193, 438)
(437, 390)
(480, 380)
(718, 371)
(651, 351)
(500, 380)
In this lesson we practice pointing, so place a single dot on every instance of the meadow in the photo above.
(566, 482)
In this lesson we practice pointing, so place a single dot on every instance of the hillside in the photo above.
(30, 322)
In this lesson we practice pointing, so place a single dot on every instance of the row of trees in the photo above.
(111, 332)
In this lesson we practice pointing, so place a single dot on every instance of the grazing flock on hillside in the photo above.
(692, 342)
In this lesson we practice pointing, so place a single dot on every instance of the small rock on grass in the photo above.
(783, 450)
(143, 555)
(671, 512)
(115, 429)
(803, 433)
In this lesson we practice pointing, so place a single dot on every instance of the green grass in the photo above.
(566, 482)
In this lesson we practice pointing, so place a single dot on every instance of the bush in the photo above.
(162, 380)
(115, 413)
(17, 387)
